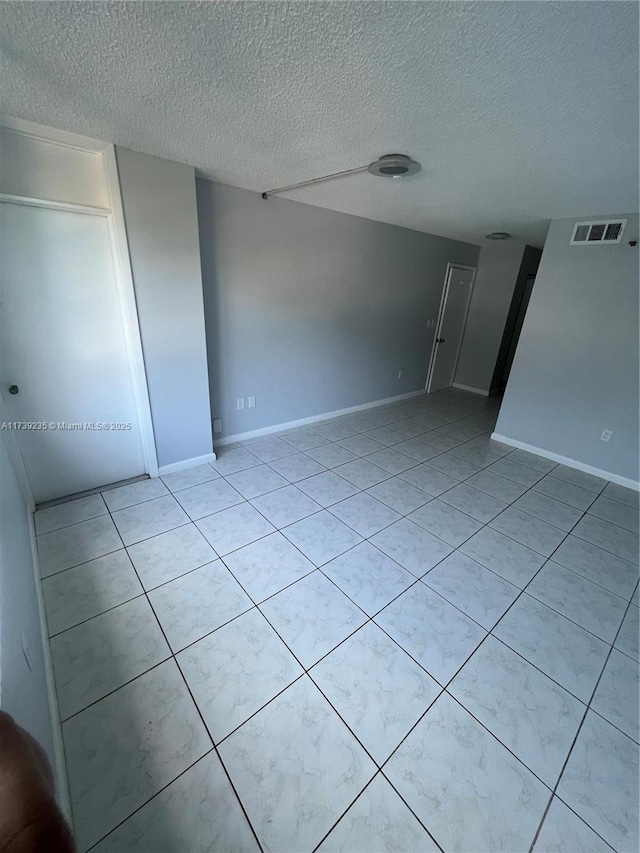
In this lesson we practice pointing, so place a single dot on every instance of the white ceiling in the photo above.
(520, 112)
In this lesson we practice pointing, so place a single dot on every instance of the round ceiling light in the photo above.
(394, 166)
(498, 235)
(387, 166)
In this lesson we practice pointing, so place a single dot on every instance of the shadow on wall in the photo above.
(211, 295)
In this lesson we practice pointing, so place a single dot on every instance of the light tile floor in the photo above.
(384, 632)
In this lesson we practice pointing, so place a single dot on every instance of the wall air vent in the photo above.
(597, 233)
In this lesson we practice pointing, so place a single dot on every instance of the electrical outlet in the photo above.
(606, 435)
(252, 402)
(240, 403)
(399, 374)
(217, 425)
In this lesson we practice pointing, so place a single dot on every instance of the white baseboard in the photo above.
(470, 389)
(60, 769)
(571, 463)
(186, 463)
(256, 433)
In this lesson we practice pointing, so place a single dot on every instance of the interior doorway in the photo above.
(517, 328)
(73, 389)
(65, 364)
(454, 307)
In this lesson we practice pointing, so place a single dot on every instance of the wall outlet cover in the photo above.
(606, 435)
(217, 425)
(240, 403)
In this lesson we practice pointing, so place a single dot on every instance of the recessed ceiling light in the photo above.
(498, 235)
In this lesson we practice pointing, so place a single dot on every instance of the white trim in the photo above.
(186, 463)
(63, 138)
(126, 292)
(257, 433)
(60, 769)
(443, 302)
(122, 265)
(469, 388)
(432, 357)
(571, 463)
(56, 205)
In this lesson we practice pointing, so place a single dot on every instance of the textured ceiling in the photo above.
(520, 112)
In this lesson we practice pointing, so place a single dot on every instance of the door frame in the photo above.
(114, 215)
(443, 304)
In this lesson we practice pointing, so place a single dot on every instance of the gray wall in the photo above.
(498, 267)
(162, 228)
(310, 310)
(23, 691)
(575, 371)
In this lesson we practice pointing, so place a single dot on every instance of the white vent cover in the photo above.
(597, 233)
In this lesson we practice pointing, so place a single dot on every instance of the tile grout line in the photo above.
(206, 728)
(365, 539)
(484, 468)
(567, 533)
(446, 686)
(139, 808)
(328, 509)
(332, 470)
(575, 739)
(352, 804)
(306, 670)
(370, 619)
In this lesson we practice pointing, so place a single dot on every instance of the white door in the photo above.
(453, 314)
(64, 366)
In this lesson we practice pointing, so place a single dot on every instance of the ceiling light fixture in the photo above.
(387, 166)
(498, 235)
